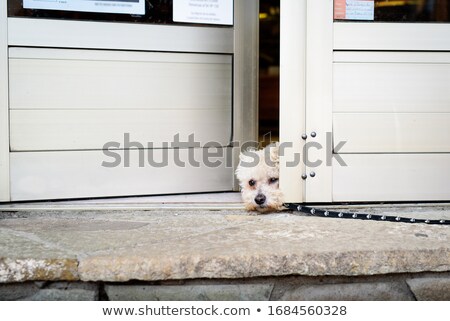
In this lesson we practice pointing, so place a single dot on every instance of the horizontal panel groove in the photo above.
(389, 112)
(400, 57)
(394, 62)
(118, 109)
(390, 153)
(117, 55)
(202, 147)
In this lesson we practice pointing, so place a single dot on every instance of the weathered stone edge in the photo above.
(125, 268)
(21, 270)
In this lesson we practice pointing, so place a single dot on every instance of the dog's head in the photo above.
(258, 174)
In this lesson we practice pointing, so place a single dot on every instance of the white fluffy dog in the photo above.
(258, 173)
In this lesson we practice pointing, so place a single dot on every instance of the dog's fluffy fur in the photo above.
(258, 173)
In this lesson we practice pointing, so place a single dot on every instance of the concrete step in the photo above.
(192, 243)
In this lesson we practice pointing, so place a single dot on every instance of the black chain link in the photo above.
(359, 216)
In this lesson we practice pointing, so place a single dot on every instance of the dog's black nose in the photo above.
(260, 199)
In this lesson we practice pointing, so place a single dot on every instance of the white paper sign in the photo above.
(204, 11)
(354, 9)
(109, 6)
(360, 10)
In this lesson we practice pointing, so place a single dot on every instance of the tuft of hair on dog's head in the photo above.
(258, 175)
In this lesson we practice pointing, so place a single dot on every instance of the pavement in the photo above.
(196, 242)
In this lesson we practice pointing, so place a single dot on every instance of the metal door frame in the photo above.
(310, 42)
(241, 40)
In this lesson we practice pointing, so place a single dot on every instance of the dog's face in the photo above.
(258, 173)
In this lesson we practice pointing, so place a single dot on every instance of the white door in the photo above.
(376, 98)
(112, 104)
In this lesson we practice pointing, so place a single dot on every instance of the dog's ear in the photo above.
(246, 160)
(248, 155)
(249, 158)
(274, 157)
(243, 157)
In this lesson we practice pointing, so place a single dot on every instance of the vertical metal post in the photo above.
(319, 99)
(292, 97)
(4, 105)
(245, 91)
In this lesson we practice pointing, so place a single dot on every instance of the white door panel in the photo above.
(77, 79)
(392, 177)
(78, 174)
(45, 130)
(391, 87)
(392, 132)
(4, 110)
(391, 36)
(71, 86)
(125, 36)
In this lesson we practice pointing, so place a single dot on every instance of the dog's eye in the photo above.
(252, 182)
(273, 180)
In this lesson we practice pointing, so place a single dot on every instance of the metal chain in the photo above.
(358, 216)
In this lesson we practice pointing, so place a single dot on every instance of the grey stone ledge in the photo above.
(118, 246)
(219, 292)
(382, 291)
(63, 295)
(430, 289)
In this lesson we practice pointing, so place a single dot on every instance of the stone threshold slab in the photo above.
(199, 201)
(153, 245)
